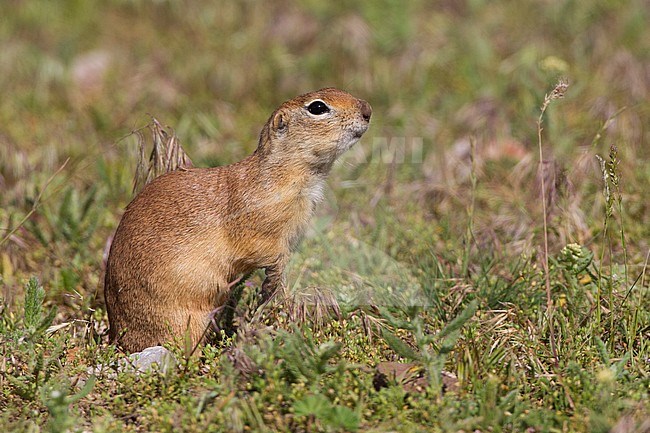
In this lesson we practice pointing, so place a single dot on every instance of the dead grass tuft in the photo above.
(167, 154)
(314, 305)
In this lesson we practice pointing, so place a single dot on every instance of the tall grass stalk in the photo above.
(618, 198)
(613, 199)
(606, 192)
(557, 93)
(469, 234)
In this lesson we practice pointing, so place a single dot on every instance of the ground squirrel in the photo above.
(190, 233)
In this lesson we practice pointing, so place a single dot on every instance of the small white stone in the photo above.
(143, 361)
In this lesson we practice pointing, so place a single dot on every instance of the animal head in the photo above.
(315, 128)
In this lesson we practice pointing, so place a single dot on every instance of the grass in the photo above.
(428, 249)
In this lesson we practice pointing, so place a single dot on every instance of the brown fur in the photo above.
(190, 233)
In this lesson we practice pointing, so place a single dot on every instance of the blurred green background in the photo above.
(77, 76)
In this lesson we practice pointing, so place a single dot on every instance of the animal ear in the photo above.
(279, 121)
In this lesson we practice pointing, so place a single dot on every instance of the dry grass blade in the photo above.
(315, 305)
(557, 93)
(167, 154)
(35, 204)
(547, 175)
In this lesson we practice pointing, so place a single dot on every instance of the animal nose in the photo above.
(366, 110)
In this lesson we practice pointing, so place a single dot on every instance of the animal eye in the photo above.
(318, 107)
